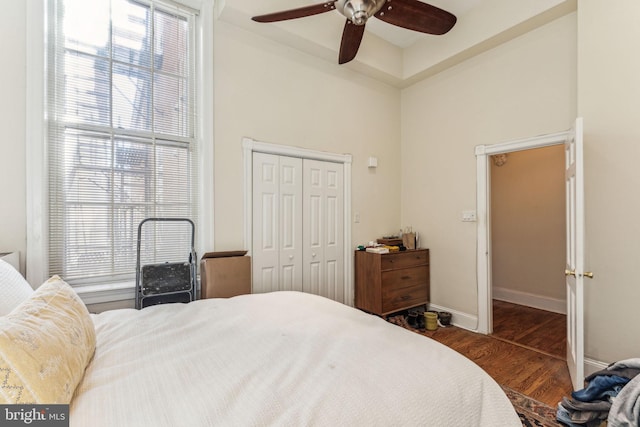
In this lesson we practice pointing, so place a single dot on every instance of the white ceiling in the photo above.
(402, 37)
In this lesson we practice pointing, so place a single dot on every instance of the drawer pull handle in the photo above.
(405, 297)
(405, 277)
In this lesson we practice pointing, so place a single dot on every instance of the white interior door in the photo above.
(277, 223)
(323, 229)
(290, 225)
(574, 272)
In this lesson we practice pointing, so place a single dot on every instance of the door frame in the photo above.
(249, 146)
(483, 202)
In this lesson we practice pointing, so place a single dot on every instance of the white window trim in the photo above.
(36, 166)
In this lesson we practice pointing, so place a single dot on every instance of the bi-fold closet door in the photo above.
(298, 225)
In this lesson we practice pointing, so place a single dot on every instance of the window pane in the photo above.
(85, 26)
(171, 106)
(86, 97)
(87, 231)
(131, 98)
(88, 175)
(133, 172)
(127, 217)
(131, 33)
(172, 48)
(173, 184)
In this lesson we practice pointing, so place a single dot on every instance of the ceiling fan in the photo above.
(410, 14)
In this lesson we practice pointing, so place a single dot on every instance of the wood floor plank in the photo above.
(531, 327)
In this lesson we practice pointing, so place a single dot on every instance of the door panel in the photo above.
(265, 222)
(574, 178)
(290, 222)
(277, 223)
(323, 229)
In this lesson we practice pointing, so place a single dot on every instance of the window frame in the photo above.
(36, 148)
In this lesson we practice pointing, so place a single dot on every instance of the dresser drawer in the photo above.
(404, 278)
(403, 259)
(404, 288)
(395, 298)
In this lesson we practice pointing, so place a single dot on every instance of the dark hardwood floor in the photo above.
(539, 330)
(510, 355)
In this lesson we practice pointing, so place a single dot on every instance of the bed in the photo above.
(282, 358)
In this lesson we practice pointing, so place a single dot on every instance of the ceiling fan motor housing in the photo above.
(358, 11)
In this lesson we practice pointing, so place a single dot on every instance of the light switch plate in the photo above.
(469, 216)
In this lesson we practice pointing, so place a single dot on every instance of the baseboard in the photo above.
(458, 318)
(530, 300)
(591, 366)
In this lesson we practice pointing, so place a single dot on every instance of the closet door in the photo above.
(277, 223)
(323, 229)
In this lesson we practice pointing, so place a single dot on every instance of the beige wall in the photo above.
(13, 214)
(272, 93)
(523, 88)
(528, 223)
(609, 101)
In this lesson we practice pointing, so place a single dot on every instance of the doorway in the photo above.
(528, 241)
(574, 268)
(484, 256)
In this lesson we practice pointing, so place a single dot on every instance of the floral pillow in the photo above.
(45, 345)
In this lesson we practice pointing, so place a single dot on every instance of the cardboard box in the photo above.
(225, 274)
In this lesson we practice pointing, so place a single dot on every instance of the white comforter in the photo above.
(285, 359)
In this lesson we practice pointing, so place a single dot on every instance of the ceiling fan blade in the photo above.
(416, 15)
(351, 38)
(296, 13)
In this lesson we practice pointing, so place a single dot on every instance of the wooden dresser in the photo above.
(386, 283)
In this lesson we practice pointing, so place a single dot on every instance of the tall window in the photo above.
(122, 143)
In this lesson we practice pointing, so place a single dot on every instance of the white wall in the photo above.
(12, 145)
(523, 88)
(608, 99)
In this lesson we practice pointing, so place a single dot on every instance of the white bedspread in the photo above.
(285, 359)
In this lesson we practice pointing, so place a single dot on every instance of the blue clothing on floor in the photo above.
(599, 387)
(563, 417)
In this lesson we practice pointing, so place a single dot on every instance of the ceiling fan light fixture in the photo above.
(358, 11)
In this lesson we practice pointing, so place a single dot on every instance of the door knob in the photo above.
(588, 274)
(570, 273)
(290, 256)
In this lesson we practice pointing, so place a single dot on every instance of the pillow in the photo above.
(45, 346)
(13, 288)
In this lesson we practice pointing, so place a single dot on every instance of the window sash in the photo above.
(122, 139)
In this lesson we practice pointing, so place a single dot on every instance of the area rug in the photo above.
(532, 413)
